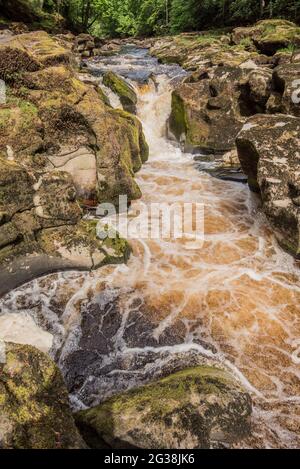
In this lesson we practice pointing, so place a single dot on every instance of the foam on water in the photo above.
(233, 301)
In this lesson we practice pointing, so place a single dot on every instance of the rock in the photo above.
(81, 247)
(125, 91)
(231, 159)
(268, 35)
(269, 152)
(31, 12)
(22, 10)
(41, 230)
(34, 409)
(286, 85)
(50, 107)
(259, 84)
(200, 407)
(226, 167)
(208, 114)
(199, 50)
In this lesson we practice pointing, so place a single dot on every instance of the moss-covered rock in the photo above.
(269, 35)
(54, 119)
(198, 50)
(31, 51)
(268, 149)
(207, 114)
(34, 409)
(125, 91)
(22, 10)
(81, 246)
(31, 11)
(200, 407)
(41, 230)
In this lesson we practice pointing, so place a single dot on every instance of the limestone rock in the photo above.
(30, 51)
(286, 83)
(34, 409)
(207, 114)
(268, 35)
(125, 91)
(269, 152)
(200, 407)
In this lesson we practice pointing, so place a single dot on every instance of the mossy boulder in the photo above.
(53, 119)
(22, 10)
(30, 51)
(202, 407)
(123, 89)
(81, 246)
(34, 408)
(205, 49)
(31, 12)
(20, 128)
(60, 143)
(269, 35)
(268, 149)
(207, 115)
(41, 229)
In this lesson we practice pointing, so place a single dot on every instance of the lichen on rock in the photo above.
(268, 149)
(123, 89)
(34, 408)
(202, 407)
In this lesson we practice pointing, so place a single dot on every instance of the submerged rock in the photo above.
(200, 407)
(34, 408)
(125, 91)
(269, 151)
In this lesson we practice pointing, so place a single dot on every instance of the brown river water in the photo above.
(232, 300)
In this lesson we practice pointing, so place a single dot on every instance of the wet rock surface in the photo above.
(61, 146)
(273, 169)
(34, 407)
(196, 408)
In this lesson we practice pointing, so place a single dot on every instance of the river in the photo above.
(231, 300)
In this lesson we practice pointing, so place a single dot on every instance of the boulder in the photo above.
(34, 408)
(268, 35)
(30, 51)
(41, 230)
(52, 120)
(208, 114)
(286, 85)
(200, 50)
(22, 10)
(202, 407)
(125, 91)
(269, 152)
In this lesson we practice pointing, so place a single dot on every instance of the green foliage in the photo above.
(121, 18)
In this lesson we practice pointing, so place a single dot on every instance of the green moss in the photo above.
(157, 400)
(178, 118)
(125, 92)
(5, 115)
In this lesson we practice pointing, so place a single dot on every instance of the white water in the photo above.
(233, 301)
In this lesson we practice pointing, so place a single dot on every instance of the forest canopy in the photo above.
(117, 18)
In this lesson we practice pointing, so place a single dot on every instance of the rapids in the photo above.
(232, 300)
